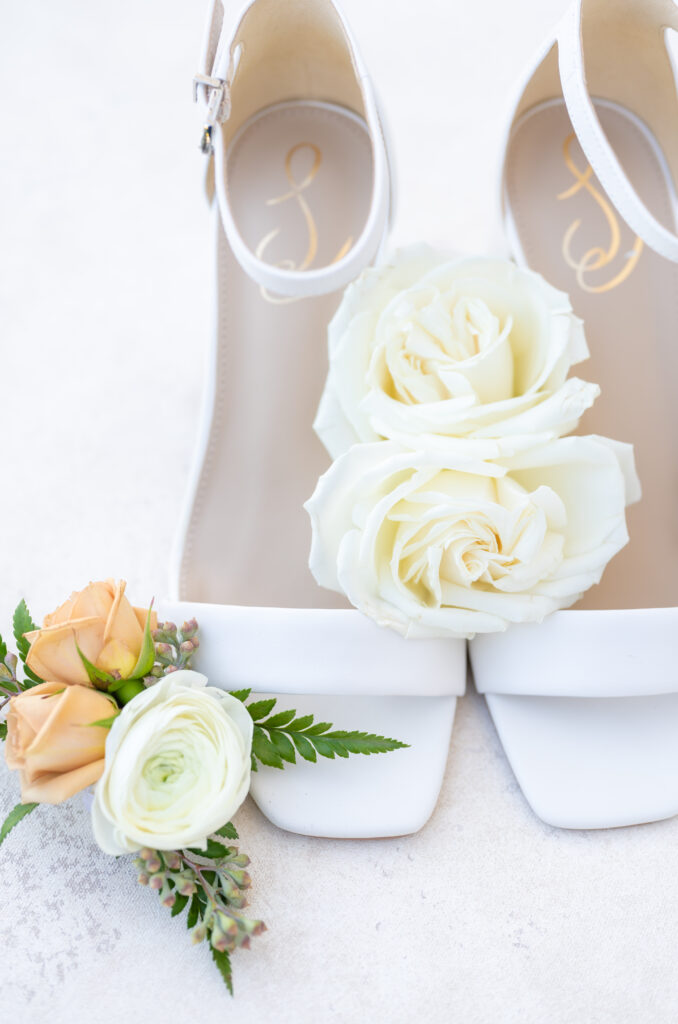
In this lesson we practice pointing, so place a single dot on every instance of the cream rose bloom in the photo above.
(177, 767)
(457, 348)
(443, 543)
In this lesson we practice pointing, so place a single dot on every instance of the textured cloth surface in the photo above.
(487, 915)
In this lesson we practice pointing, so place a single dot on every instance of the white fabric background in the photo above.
(487, 915)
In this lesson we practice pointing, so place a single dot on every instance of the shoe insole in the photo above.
(627, 295)
(299, 179)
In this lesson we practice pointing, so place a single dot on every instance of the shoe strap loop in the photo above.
(594, 142)
(220, 62)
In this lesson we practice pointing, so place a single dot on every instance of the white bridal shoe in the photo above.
(586, 703)
(303, 195)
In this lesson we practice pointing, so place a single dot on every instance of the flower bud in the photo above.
(173, 860)
(146, 854)
(252, 927)
(189, 629)
(169, 627)
(186, 647)
(153, 863)
(169, 900)
(198, 934)
(237, 899)
(185, 885)
(224, 932)
(163, 650)
(242, 860)
(157, 881)
(142, 878)
(241, 878)
(228, 924)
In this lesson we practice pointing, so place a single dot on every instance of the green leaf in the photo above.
(327, 748)
(277, 721)
(223, 962)
(22, 623)
(302, 723)
(103, 723)
(3, 730)
(13, 818)
(365, 742)
(193, 912)
(228, 831)
(261, 708)
(3, 650)
(179, 904)
(146, 658)
(304, 746)
(31, 678)
(263, 749)
(94, 674)
(284, 732)
(213, 850)
(241, 695)
(318, 728)
(284, 746)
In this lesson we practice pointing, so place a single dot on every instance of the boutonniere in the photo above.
(105, 696)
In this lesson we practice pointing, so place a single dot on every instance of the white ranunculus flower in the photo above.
(177, 767)
(454, 347)
(439, 542)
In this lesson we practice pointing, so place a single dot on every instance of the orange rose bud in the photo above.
(52, 743)
(101, 622)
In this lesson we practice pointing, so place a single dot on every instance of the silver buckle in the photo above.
(206, 145)
(218, 106)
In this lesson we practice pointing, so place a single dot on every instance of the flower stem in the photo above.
(131, 689)
(209, 891)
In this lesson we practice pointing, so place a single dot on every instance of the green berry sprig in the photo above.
(174, 648)
(211, 886)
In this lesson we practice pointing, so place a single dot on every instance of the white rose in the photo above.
(458, 348)
(440, 543)
(177, 767)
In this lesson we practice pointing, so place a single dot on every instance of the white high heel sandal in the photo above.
(586, 704)
(303, 195)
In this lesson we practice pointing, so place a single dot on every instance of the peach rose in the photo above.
(51, 741)
(101, 622)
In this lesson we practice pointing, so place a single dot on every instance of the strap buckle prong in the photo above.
(209, 82)
(218, 105)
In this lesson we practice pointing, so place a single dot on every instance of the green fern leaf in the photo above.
(240, 695)
(263, 749)
(304, 746)
(223, 962)
(365, 742)
(260, 708)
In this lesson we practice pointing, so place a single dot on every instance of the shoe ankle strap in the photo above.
(222, 53)
(591, 136)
